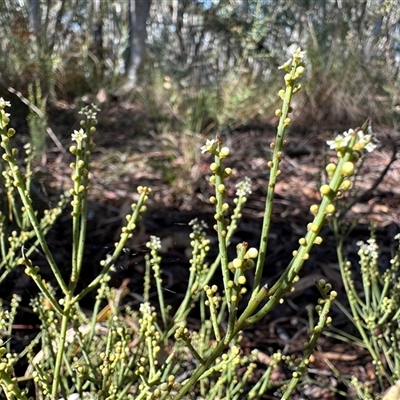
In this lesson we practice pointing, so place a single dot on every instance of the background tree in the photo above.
(137, 15)
(207, 57)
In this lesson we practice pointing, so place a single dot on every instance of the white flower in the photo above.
(340, 142)
(299, 54)
(367, 141)
(199, 227)
(243, 187)
(146, 308)
(90, 111)
(154, 243)
(209, 146)
(78, 136)
(4, 103)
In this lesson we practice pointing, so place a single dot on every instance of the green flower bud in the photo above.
(325, 190)
(318, 240)
(347, 168)
(224, 152)
(248, 264)
(314, 209)
(330, 209)
(281, 94)
(214, 168)
(346, 184)
(221, 188)
(228, 171)
(252, 252)
(330, 169)
(302, 241)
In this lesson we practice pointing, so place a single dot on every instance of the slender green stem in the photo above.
(274, 173)
(309, 349)
(200, 370)
(61, 347)
(125, 236)
(220, 218)
(27, 202)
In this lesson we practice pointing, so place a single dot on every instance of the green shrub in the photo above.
(150, 352)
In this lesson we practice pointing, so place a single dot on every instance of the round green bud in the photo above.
(73, 150)
(346, 184)
(286, 122)
(302, 241)
(224, 152)
(325, 190)
(221, 188)
(347, 168)
(214, 167)
(330, 169)
(318, 240)
(218, 217)
(252, 252)
(330, 209)
(314, 228)
(228, 171)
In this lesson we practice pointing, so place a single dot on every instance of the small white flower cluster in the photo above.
(368, 249)
(78, 136)
(199, 227)
(154, 243)
(146, 308)
(4, 103)
(90, 111)
(243, 187)
(210, 146)
(366, 141)
(4, 117)
(298, 56)
(4, 319)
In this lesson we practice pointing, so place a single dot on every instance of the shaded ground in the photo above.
(172, 165)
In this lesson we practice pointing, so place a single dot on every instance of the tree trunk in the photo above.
(138, 13)
(35, 15)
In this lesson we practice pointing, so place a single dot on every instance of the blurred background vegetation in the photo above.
(205, 65)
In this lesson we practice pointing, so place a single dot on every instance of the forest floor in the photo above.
(172, 165)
